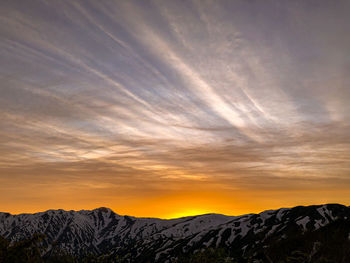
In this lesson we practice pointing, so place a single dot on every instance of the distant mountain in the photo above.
(299, 234)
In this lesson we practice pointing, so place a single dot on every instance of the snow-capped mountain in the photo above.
(101, 231)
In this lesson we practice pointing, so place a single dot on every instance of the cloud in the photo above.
(138, 99)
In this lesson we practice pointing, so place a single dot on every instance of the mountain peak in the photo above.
(103, 209)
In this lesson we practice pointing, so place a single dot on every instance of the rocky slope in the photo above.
(254, 236)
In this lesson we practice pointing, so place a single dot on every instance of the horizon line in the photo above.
(145, 217)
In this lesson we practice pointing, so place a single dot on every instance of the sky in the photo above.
(173, 108)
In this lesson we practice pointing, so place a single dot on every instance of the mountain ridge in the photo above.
(146, 217)
(103, 232)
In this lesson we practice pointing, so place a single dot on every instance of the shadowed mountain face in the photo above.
(299, 233)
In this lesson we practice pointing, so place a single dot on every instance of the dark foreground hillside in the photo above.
(299, 234)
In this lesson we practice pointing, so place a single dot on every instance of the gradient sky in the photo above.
(171, 108)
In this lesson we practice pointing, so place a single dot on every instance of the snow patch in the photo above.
(303, 222)
(281, 213)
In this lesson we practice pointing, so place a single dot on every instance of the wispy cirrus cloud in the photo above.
(134, 100)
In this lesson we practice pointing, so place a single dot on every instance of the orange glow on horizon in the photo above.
(188, 203)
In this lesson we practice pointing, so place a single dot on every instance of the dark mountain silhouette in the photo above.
(300, 234)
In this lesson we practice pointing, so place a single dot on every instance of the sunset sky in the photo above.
(173, 108)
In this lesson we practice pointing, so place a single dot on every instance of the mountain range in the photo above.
(303, 234)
